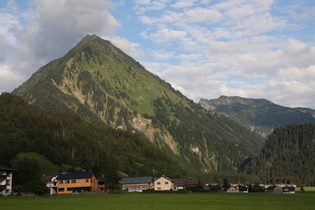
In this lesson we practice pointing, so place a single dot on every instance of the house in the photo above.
(184, 183)
(213, 187)
(290, 190)
(101, 184)
(137, 184)
(232, 190)
(242, 189)
(76, 183)
(274, 189)
(6, 174)
(164, 184)
(52, 185)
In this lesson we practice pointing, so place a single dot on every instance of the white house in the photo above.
(137, 184)
(52, 186)
(6, 175)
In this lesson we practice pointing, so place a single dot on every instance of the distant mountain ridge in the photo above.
(259, 115)
(105, 86)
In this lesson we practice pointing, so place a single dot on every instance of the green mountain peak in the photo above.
(103, 85)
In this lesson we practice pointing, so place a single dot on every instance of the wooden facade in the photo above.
(76, 183)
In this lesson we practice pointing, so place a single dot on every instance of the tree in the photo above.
(28, 177)
(226, 183)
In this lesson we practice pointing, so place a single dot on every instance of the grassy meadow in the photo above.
(163, 201)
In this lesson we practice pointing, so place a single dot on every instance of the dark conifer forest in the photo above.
(66, 139)
(287, 157)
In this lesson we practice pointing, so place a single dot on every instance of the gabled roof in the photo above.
(164, 177)
(136, 180)
(75, 176)
(6, 168)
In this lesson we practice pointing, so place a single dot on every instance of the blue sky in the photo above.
(204, 48)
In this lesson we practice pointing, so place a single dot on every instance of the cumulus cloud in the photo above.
(183, 4)
(58, 29)
(167, 36)
(126, 46)
(51, 29)
(205, 48)
(235, 47)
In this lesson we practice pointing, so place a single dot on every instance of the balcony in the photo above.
(3, 177)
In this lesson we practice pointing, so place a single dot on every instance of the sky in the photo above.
(203, 48)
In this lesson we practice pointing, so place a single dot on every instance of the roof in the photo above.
(232, 189)
(6, 168)
(136, 180)
(186, 181)
(179, 182)
(164, 177)
(75, 175)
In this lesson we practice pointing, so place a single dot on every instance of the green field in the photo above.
(306, 189)
(190, 201)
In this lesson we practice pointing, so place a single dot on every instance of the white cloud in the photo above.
(162, 55)
(9, 25)
(167, 36)
(202, 15)
(9, 79)
(49, 29)
(203, 48)
(126, 46)
(183, 3)
(149, 5)
(56, 30)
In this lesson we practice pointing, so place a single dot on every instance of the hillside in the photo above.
(259, 115)
(287, 157)
(65, 139)
(105, 86)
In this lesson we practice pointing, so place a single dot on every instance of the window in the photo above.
(166, 182)
(67, 181)
(158, 183)
(86, 180)
(61, 189)
(159, 188)
(60, 182)
(73, 181)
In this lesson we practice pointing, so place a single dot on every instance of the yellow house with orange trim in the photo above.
(76, 183)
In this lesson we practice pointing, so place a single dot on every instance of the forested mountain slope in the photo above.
(287, 157)
(105, 86)
(259, 115)
(66, 139)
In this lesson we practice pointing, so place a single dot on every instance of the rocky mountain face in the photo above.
(64, 142)
(259, 115)
(105, 86)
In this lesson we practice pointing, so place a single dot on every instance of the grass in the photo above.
(163, 201)
(306, 189)
(46, 166)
